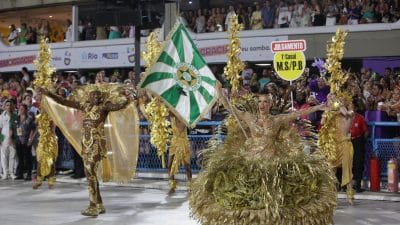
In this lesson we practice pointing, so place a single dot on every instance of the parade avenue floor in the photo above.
(20, 205)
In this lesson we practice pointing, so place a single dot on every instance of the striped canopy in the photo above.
(182, 79)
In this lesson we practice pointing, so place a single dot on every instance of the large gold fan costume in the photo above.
(264, 179)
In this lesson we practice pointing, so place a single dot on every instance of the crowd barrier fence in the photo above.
(381, 146)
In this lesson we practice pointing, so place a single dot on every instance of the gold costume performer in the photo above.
(179, 152)
(335, 138)
(47, 148)
(174, 133)
(266, 178)
(95, 104)
(46, 158)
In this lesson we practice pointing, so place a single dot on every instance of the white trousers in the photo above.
(8, 159)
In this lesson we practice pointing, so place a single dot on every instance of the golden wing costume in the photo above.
(121, 130)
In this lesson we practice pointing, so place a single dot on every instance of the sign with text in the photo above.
(289, 59)
(82, 57)
(253, 48)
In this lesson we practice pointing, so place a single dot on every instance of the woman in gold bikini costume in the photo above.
(265, 178)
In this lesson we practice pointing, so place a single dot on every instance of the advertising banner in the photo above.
(73, 58)
(253, 49)
(103, 54)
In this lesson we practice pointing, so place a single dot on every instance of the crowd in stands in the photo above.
(86, 31)
(293, 13)
(372, 91)
(19, 103)
(254, 16)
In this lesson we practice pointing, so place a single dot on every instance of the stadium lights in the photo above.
(190, 2)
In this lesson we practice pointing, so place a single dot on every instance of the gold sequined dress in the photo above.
(264, 179)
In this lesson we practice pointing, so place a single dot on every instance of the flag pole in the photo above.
(234, 114)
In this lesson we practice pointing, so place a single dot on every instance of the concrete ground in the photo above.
(145, 204)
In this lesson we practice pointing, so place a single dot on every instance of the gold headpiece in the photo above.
(111, 92)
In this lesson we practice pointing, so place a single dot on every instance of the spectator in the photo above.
(229, 16)
(297, 14)
(31, 37)
(392, 106)
(284, 15)
(101, 33)
(211, 25)
(318, 18)
(353, 13)
(42, 30)
(68, 33)
(219, 18)
(81, 30)
(268, 15)
(100, 77)
(23, 34)
(33, 111)
(131, 78)
(359, 133)
(90, 32)
(332, 12)
(385, 82)
(247, 73)
(25, 74)
(307, 14)
(256, 20)
(13, 36)
(243, 18)
(367, 12)
(7, 148)
(22, 134)
(131, 31)
(114, 33)
(191, 20)
(375, 97)
(265, 77)
(320, 89)
(200, 22)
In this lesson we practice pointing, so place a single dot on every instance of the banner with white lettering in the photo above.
(121, 53)
(110, 56)
(253, 48)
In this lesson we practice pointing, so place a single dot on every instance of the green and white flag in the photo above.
(181, 77)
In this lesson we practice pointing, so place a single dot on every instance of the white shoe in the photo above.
(3, 177)
(13, 176)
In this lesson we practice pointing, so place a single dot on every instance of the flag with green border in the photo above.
(181, 78)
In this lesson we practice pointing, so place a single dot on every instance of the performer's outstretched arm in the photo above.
(62, 100)
(296, 114)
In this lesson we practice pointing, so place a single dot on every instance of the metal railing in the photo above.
(148, 160)
(382, 145)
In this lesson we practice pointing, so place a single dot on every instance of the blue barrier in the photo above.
(383, 148)
(148, 161)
